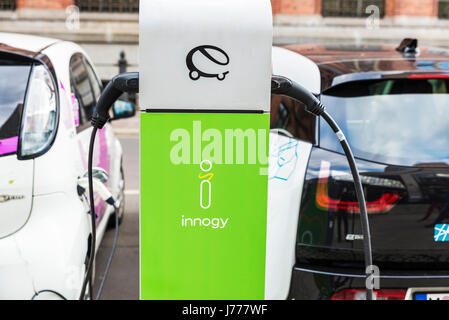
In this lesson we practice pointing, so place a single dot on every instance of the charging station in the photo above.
(205, 83)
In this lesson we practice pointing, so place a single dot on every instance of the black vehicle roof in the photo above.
(344, 63)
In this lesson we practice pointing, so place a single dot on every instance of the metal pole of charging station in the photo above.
(205, 71)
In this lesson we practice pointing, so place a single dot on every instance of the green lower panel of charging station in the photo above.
(203, 206)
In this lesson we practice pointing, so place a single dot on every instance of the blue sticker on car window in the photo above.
(441, 233)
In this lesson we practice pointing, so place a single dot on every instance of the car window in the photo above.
(96, 84)
(394, 121)
(82, 88)
(289, 115)
(12, 95)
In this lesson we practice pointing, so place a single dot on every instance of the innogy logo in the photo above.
(214, 54)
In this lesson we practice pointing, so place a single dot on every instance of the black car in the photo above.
(393, 105)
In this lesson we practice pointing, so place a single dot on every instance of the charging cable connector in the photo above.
(99, 188)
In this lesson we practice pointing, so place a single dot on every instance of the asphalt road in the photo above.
(123, 280)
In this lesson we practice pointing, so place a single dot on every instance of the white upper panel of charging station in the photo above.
(205, 54)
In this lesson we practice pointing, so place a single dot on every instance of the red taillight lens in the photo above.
(382, 205)
(429, 76)
(360, 294)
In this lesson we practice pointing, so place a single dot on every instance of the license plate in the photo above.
(431, 296)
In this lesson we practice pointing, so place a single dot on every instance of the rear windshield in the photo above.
(14, 74)
(399, 122)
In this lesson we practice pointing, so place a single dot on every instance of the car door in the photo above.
(86, 90)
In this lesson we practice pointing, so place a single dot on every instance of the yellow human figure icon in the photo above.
(206, 184)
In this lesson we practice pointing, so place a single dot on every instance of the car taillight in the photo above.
(429, 76)
(383, 204)
(39, 120)
(360, 294)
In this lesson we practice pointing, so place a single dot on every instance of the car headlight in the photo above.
(39, 120)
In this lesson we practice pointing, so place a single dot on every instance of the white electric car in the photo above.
(48, 91)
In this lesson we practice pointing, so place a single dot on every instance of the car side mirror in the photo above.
(123, 109)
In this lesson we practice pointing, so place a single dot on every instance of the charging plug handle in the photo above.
(283, 86)
(125, 82)
(99, 188)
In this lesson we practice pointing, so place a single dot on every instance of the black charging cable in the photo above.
(286, 87)
(111, 255)
(60, 296)
(93, 218)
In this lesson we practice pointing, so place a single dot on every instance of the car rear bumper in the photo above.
(320, 283)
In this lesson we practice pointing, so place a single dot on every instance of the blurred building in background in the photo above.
(361, 21)
(105, 28)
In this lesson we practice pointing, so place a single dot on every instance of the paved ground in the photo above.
(123, 279)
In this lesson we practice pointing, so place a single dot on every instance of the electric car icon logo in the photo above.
(205, 55)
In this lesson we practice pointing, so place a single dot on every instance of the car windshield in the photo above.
(399, 122)
(14, 75)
